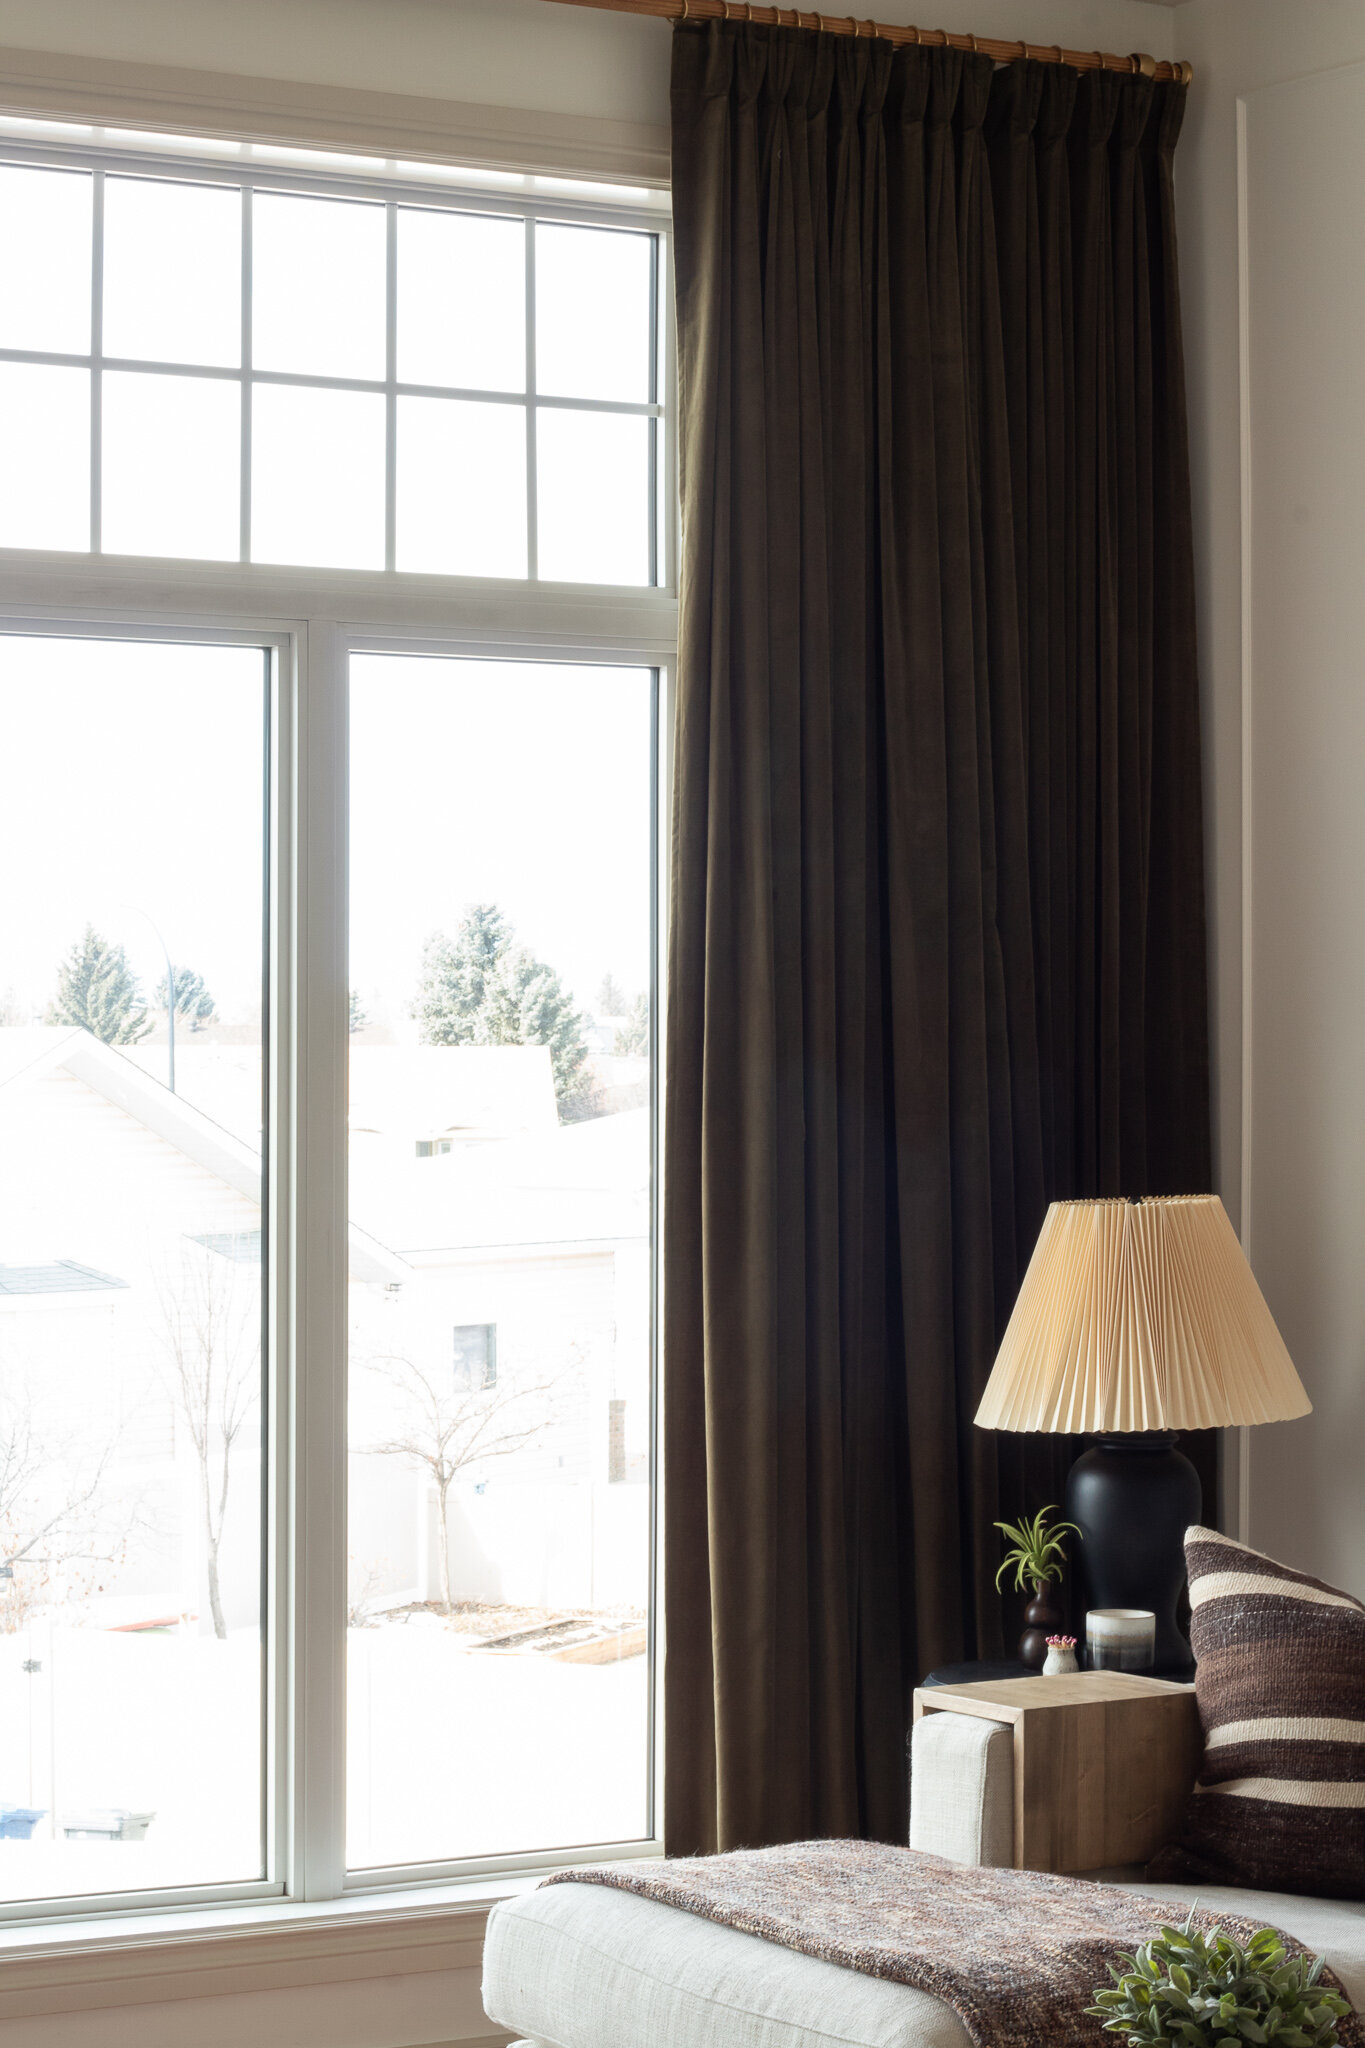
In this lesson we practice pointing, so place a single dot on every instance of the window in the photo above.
(336, 632)
(132, 817)
(226, 368)
(243, 1247)
(60, 1276)
(475, 1357)
(479, 1480)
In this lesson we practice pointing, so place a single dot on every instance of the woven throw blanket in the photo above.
(1017, 1954)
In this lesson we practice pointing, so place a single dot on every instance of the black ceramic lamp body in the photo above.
(1133, 1497)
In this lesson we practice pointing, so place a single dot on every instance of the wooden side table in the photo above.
(1103, 1762)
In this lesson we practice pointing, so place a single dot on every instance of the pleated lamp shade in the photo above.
(1140, 1316)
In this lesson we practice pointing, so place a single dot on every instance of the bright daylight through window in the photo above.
(131, 818)
(500, 1267)
(328, 959)
(229, 372)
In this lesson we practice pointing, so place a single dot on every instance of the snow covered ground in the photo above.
(453, 1752)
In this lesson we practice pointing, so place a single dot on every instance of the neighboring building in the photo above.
(489, 1244)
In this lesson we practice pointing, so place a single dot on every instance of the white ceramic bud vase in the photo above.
(1061, 1658)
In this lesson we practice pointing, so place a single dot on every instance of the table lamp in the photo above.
(1137, 1320)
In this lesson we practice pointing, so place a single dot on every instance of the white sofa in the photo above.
(582, 1966)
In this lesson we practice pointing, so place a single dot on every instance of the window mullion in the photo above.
(390, 390)
(96, 363)
(532, 513)
(652, 484)
(316, 1623)
(245, 484)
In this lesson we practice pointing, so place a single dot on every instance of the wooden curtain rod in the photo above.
(928, 38)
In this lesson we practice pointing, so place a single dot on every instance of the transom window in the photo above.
(241, 367)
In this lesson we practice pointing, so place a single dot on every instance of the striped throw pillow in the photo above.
(1280, 1680)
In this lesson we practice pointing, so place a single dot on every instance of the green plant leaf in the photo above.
(1198, 1990)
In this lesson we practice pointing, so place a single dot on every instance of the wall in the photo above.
(1276, 442)
(508, 53)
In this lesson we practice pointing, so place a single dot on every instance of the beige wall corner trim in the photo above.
(111, 92)
(148, 1969)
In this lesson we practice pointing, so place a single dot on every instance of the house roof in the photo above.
(29, 1052)
(398, 1092)
(579, 1183)
(59, 1276)
(541, 1184)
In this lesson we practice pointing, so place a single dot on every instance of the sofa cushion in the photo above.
(1280, 1679)
(581, 1966)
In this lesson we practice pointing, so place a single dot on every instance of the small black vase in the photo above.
(1041, 1620)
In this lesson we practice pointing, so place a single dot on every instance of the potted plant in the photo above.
(1037, 1557)
(1207, 1991)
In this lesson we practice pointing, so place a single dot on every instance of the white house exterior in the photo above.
(476, 1219)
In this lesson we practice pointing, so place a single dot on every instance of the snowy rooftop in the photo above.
(514, 1176)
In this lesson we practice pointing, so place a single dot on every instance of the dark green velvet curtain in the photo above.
(937, 940)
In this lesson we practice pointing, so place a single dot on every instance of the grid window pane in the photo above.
(317, 477)
(45, 259)
(593, 321)
(131, 1664)
(318, 286)
(593, 496)
(172, 466)
(172, 272)
(461, 301)
(44, 456)
(461, 487)
(499, 1300)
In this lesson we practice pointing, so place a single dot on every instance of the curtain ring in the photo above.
(974, 52)
(820, 23)
(686, 5)
(853, 27)
(749, 13)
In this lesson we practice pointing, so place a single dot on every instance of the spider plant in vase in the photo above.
(1037, 1557)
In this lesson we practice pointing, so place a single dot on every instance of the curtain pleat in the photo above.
(936, 944)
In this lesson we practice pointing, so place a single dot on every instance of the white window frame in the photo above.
(312, 621)
(391, 193)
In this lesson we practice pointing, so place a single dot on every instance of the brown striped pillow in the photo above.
(1280, 1680)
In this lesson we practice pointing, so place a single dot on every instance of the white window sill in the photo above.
(86, 1962)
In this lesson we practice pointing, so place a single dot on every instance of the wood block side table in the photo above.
(1103, 1762)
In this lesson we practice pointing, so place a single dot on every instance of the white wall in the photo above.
(1281, 659)
(509, 53)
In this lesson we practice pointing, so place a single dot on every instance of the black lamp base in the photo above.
(1133, 1497)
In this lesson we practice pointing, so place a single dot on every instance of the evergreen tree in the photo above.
(479, 988)
(192, 1000)
(98, 992)
(358, 1019)
(612, 1000)
(633, 1035)
(456, 971)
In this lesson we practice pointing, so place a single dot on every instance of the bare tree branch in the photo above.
(449, 1428)
(55, 1514)
(210, 1340)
